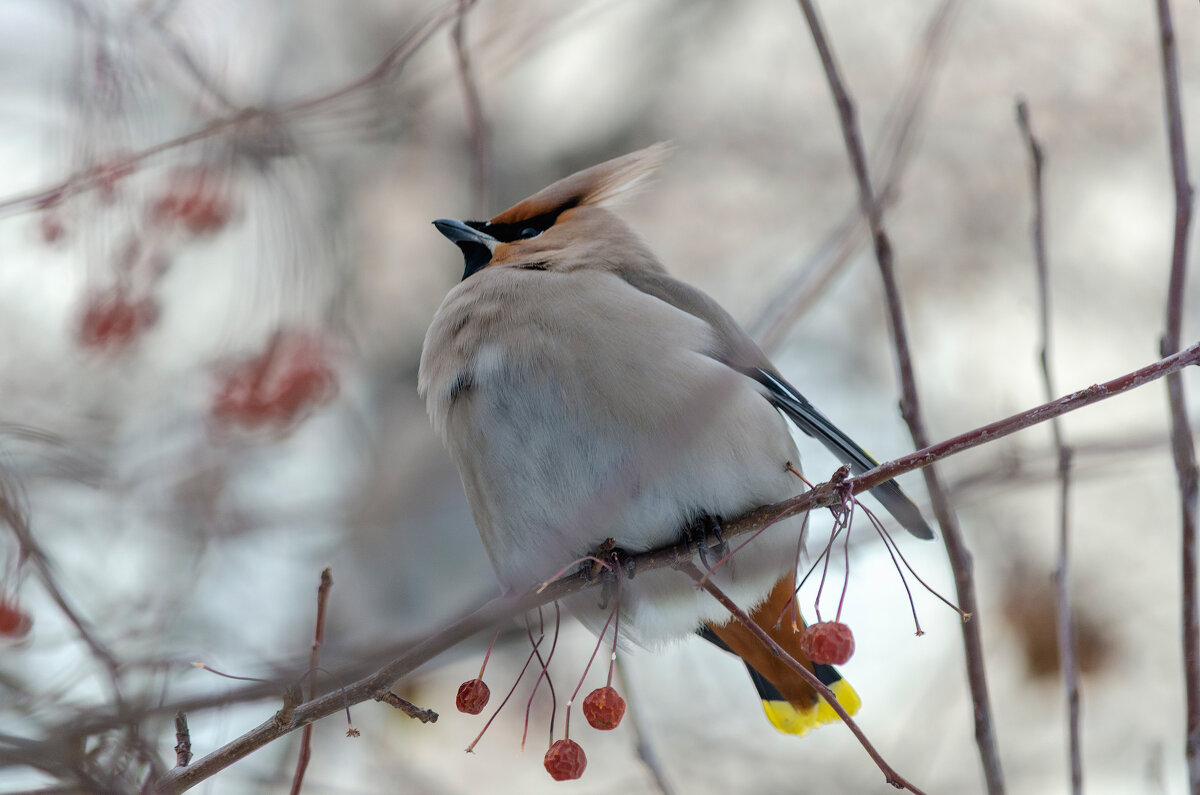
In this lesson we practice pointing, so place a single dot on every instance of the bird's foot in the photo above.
(609, 562)
(703, 534)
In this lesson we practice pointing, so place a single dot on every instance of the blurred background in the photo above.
(216, 272)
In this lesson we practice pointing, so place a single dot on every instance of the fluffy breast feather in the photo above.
(578, 408)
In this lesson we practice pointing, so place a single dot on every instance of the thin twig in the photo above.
(178, 49)
(476, 122)
(902, 122)
(1065, 612)
(956, 548)
(1182, 446)
(407, 707)
(13, 513)
(183, 741)
(314, 662)
(92, 176)
(893, 778)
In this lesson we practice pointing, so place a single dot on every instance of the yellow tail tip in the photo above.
(790, 720)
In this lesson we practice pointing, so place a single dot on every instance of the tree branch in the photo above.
(956, 548)
(1068, 656)
(476, 121)
(893, 154)
(244, 118)
(314, 662)
(413, 655)
(1182, 447)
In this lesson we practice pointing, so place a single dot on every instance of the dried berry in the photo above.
(827, 642)
(565, 760)
(14, 623)
(472, 697)
(604, 708)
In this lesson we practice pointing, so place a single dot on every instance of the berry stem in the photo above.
(614, 612)
(846, 559)
(612, 661)
(543, 674)
(488, 654)
(827, 554)
(511, 690)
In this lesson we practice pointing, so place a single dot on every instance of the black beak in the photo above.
(459, 232)
(475, 245)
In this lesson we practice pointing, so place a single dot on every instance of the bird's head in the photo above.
(564, 226)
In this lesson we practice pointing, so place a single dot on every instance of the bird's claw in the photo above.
(609, 563)
(699, 533)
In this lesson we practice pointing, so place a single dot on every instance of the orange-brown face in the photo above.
(562, 226)
(582, 236)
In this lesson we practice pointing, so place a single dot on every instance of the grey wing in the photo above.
(787, 399)
(739, 352)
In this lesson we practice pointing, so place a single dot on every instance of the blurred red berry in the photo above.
(14, 623)
(604, 708)
(112, 319)
(50, 227)
(274, 388)
(196, 200)
(565, 760)
(827, 642)
(472, 697)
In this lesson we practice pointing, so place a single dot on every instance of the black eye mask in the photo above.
(525, 229)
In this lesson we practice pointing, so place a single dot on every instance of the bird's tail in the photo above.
(791, 704)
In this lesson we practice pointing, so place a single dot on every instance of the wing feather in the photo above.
(738, 351)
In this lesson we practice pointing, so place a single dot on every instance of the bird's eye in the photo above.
(529, 232)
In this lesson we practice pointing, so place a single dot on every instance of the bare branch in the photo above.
(251, 119)
(476, 122)
(1182, 446)
(314, 662)
(1068, 655)
(183, 741)
(892, 155)
(408, 708)
(13, 513)
(956, 548)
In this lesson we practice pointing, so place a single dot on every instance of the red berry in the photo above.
(13, 622)
(604, 708)
(279, 384)
(51, 227)
(827, 642)
(111, 319)
(565, 760)
(472, 697)
(195, 200)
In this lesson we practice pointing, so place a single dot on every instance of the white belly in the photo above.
(632, 441)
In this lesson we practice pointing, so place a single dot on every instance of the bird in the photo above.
(585, 394)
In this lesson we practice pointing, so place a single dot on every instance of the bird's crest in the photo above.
(603, 184)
